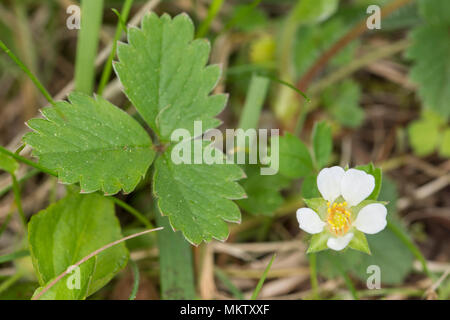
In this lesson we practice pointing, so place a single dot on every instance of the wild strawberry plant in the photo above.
(103, 152)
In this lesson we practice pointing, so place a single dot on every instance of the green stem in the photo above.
(17, 199)
(27, 176)
(254, 102)
(87, 45)
(108, 65)
(33, 78)
(13, 256)
(141, 217)
(262, 279)
(135, 269)
(313, 275)
(10, 281)
(6, 222)
(213, 10)
(229, 284)
(27, 161)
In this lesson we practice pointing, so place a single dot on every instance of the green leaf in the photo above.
(388, 252)
(359, 242)
(263, 191)
(176, 263)
(69, 230)
(196, 197)
(430, 51)
(247, 17)
(322, 143)
(92, 142)
(444, 149)
(163, 73)
(376, 173)
(423, 136)
(61, 290)
(313, 11)
(435, 12)
(312, 40)
(294, 160)
(342, 100)
(318, 242)
(309, 186)
(8, 164)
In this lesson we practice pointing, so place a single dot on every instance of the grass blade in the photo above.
(175, 263)
(121, 26)
(87, 45)
(263, 278)
(22, 66)
(135, 269)
(254, 101)
(213, 10)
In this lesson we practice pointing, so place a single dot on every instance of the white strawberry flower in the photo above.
(342, 215)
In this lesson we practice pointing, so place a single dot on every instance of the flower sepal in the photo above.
(318, 241)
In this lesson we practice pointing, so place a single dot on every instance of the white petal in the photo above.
(371, 219)
(356, 186)
(329, 182)
(339, 243)
(309, 221)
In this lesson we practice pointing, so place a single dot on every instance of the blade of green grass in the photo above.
(22, 66)
(18, 200)
(230, 286)
(121, 26)
(135, 269)
(87, 45)
(263, 278)
(254, 101)
(175, 263)
(213, 10)
(27, 176)
(13, 256)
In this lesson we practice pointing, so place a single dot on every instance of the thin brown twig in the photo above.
(354, 33)
(86, 258)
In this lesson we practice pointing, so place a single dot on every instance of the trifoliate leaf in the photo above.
(92, 142)
(163, 73)
(263, 191)
(8, 164)
(295, 160)
(430, 51)
(197, 197)
(69, 230)
(322, 143)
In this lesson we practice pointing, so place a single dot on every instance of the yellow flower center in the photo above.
(338, 219)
